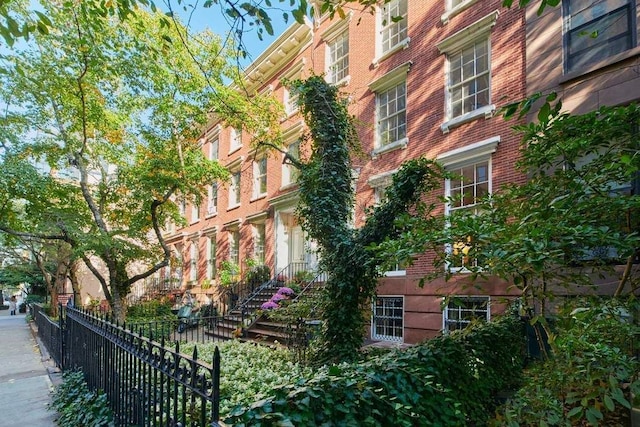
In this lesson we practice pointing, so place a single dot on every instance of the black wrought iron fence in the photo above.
(147, 382)
(49, 332)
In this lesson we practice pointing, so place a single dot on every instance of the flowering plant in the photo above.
(277, 297)
(269, 305)
(285, 291)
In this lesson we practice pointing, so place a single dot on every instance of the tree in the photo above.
(101, 131)
(325, 208)
(575, 219)
(16, 22)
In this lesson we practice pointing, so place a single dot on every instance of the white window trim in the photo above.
(481, 29)
(476, 152)
(444, 311)
(234, 135)
(451, 12)
(289, 137)
(385, 82)
(386, 338)
(212, 135)
(329, 35)
(195, 213)
(293, 73)
(256, 194)
(211, 209)
(403, 44)
(193, 260)
(486, 112)
(236, 203)
(476, 31)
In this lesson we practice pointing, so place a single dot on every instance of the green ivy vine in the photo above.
(325, 208)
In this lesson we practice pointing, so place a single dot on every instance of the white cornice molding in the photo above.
(291, 43)
(392, 78)
(337, 28)
(478, 149)
(479, 29)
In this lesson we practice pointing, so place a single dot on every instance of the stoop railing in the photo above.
(147, 383)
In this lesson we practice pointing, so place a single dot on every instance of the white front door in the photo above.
(296, 244)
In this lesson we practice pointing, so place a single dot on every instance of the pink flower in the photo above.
(277, 297)
(269, 305)
(285, 291)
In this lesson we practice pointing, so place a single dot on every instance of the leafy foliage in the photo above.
(591, 375)
(452, 379)
(77, 406)
(325, 208)
(576, 215)
(99, 154)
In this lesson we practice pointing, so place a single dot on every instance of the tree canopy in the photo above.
(100, 131)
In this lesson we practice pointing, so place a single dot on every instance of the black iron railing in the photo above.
(49, 332)
(147, 382)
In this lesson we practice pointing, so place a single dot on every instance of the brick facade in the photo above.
(301, 50)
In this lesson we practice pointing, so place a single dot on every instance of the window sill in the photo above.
(194, 221)
(575, 75)
(232, 207)
(342, 82)
(211, 214)
(486, 111)
(397, 145)
(234, 149)
(258, 197)
(395, 273)
(456, 10)
(288, 186)
(400, 46)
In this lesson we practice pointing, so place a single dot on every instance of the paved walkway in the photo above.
(25, 376)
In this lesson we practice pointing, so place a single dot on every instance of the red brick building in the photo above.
(426, 85)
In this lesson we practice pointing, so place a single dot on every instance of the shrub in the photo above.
(149, 310)
(77, 406)
(449, 381)
(590, 376)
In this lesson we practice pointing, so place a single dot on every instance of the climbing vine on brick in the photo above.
(327, 194)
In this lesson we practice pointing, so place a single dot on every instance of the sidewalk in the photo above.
(25, 375)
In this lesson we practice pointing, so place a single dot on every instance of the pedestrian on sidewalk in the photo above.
(13, 305)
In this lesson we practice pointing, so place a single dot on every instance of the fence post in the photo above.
(61, 338)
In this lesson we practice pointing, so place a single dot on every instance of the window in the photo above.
(235, 139)
(464, 192)
(214, 146)
(461, 311)
(259, 234)
(393, 26)
(468, 75)
(454, 7)
(596, 30)
(234, 247)
(469, 79)
(193, 266)
(260, 177)
(290, 173)
(338, 58)
(290, 101)
(212, 199)
(211, 257)
(392, 114)
(234, 190)
(387, 322)
(195, 212)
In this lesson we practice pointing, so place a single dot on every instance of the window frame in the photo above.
(212, 249)
(260, 178)
(386, 26)
(193, 261)
(375, 317)
(212, 199)
(234, 246)
(391, 81)
(259, 241)
(235, 139)
(477, 31)
(235, 192)
(446, 321)
(568, 32)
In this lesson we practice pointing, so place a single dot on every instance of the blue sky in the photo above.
(215, 19)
